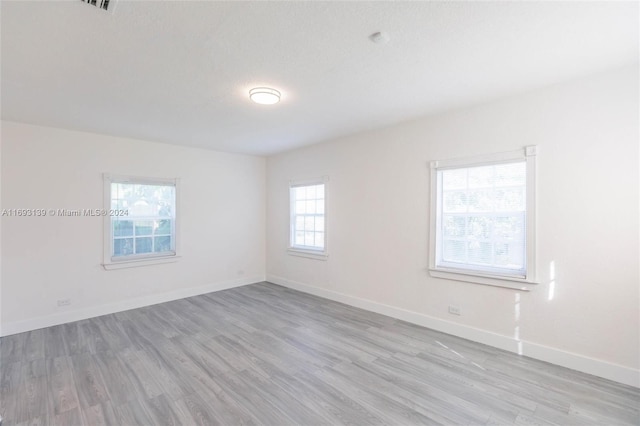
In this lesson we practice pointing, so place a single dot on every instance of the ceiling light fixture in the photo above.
(264, 95)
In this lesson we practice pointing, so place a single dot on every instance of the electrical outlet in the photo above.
(64, 302)
(454, 310)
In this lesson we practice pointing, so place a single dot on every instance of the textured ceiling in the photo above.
(180, 71)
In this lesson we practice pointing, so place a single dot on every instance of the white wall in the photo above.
(222, 211)
(587, 134)
(1, 328)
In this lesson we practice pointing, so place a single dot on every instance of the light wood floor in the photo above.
(263, 354)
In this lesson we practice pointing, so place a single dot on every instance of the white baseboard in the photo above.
(96, 311)
(596, 367)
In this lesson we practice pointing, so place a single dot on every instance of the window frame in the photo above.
(528, 155)
(110, 262)
(292, 249)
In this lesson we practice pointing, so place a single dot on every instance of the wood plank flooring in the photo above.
(266, 355)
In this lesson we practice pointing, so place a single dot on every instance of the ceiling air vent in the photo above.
(102, 4)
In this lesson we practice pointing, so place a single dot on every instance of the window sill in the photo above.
(491, 280)
(122, 264)
(317, 255)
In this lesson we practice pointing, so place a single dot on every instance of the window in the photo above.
(308, 234)
(140, 227)
(483, 218)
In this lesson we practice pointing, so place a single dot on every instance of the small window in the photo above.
(141, 222)
(483, 217)
(308, 231)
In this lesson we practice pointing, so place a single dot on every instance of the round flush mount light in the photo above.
(264, 95)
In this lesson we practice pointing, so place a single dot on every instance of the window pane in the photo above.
(144, 245)
(311, 192)
(122, 228)
(454, 226)
(144, 227)
(479, 227)
(161, 244)
(163, 227)
(320, 207)
(319, 224)
(301, 207)
(122, 246)
(117, 204)
(168, 192)
(142, 208)
(300, 192)
(508, 227)
(454, 251)
(510, 199)
(122, 191)
(516, 255)
(481, 200)
(308, 239)
(479, 253)
(320, 191)
(455, 201)
(310, 206)
(513, 174)
(481, 177)
(299, 238)
(165, 208)
(299, 222)
(454, 179)
(509, 255)
(501, 253)
(144, 200)
(319, 239)
(309, 224)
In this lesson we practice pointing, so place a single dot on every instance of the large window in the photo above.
(141, 224)
(308, 233)
(483, 218)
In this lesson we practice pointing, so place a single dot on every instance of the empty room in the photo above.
(319, 213)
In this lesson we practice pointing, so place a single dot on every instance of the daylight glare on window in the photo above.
(482, 216)
(308, 217)
(149, 227)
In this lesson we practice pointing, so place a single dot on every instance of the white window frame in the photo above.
(526, 154)
(318, 254)
(110, 262)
